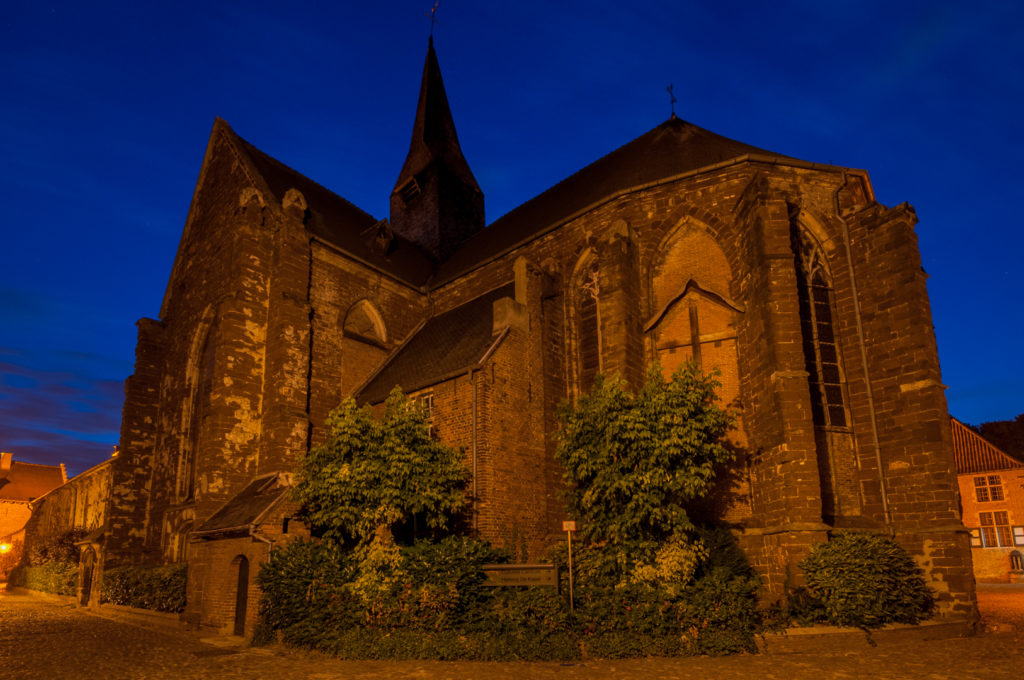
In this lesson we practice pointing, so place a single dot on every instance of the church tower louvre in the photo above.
(436, 202)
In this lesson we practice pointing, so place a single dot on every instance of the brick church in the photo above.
(786, 275)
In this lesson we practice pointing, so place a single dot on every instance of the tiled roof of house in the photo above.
(28, 481)
(973, 453)
(446, 344)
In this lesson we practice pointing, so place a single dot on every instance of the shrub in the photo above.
(865, 580)
(60, 548)
(158, 588)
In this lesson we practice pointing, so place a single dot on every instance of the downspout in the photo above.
(261, 538)
(863, 355)
(476, 513)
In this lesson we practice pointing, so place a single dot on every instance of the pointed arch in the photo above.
(364, 322)
(199, 377)
(585, 312)
(692, 316)
(822, 355)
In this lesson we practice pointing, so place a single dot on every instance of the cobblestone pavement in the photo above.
(45, 639)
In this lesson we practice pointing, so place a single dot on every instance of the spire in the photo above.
(436, 201)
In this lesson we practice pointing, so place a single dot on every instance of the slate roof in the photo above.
(447, 344)
(339, 222)
(28, 481)
(673, 148)
(433, 130)
(248, 507)
(973, 453)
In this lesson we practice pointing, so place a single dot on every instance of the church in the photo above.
(785, 275)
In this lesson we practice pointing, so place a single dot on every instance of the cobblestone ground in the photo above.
(45, 639)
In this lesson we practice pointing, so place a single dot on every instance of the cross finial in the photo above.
(433, 17)
(673, 99)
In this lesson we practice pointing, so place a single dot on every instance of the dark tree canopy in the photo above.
(1008, 435)
(380, 473)
(633, 462)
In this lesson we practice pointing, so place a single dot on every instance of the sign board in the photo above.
(569, 525)
(521, 575)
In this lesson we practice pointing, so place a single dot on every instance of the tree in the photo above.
(376, 475)
(633, 462)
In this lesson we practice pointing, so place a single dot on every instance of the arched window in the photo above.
(817, 325)
(588, 326)
(201, 385)
(364, 322)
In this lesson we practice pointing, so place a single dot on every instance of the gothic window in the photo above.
(817, 324)
(202, 385)
(988, 488)
(363, 322)
(588, 344)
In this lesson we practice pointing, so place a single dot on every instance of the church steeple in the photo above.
(436, 201)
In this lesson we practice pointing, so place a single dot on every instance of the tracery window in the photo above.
(988, 488)
(364, 322)
(202, 385)
(817, 323)
(588, 332)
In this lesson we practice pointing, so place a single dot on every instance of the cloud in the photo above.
(68, 412)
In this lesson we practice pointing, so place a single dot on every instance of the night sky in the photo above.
(106, 108)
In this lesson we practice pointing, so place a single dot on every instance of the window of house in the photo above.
(995, 529)
(988, 488)
(817, 325)
(425, 401)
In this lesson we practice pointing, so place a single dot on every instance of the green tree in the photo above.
(633, 462)
(375, 475)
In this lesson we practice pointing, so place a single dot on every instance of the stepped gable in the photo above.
(673, 148)
(340, 223)
(973, 453)
(446, 345)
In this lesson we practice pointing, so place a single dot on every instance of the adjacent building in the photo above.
(992, 496)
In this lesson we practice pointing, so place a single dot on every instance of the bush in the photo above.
(158, 588)
(58, 578)
(865, 580)
(60, 548)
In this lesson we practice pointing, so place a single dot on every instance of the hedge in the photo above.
(59, 578)
(159, 588)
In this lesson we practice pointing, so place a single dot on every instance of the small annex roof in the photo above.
(446, 345)
(340, 223)
(28, 481)
(247, 509)
(973, 453)
(673, 148)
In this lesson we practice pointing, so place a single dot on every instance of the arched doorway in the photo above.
(241, 594)
(88, 569)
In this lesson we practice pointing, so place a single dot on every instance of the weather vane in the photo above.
(671, 95)
(433, 17)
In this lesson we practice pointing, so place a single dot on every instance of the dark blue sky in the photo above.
(105, 110)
